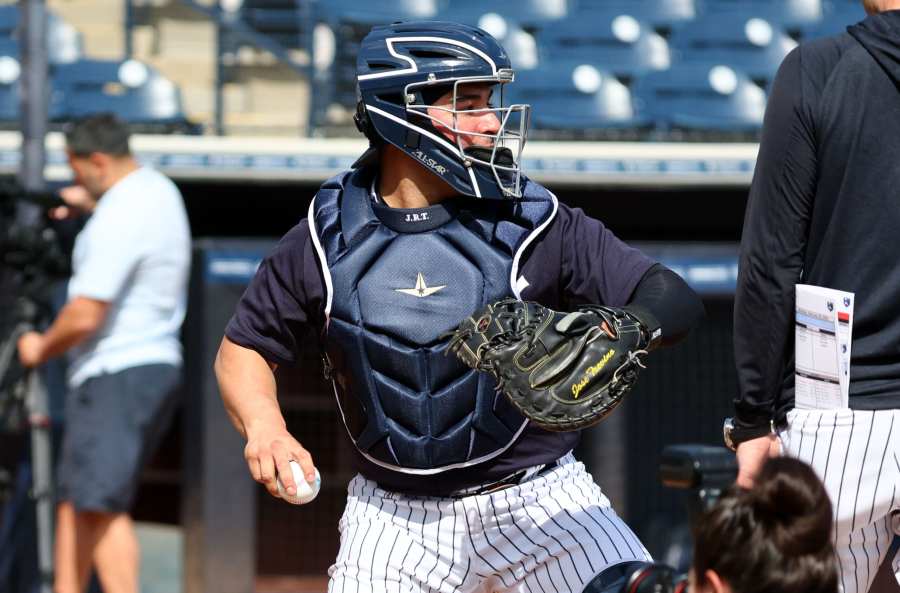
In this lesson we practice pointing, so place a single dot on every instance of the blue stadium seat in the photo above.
(133, 91)
(520, 44)
(789, 14)
(288, 22)
(838, 16)
(529, 14)
(699, 97)
(10, 100)
(662, 14)
(350, 21)
(376, 12)
(612, 41)
(64, 43)
(575, 98)
(752, 45)
(9, 19)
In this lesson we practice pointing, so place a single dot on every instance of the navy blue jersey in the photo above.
(576, 260)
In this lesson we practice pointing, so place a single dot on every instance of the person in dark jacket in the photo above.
(823, 210)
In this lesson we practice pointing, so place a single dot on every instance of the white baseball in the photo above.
(306, 491)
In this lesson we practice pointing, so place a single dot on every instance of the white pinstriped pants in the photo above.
(551, 534)
(857, 455)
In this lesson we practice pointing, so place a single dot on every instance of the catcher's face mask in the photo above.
(484, 134)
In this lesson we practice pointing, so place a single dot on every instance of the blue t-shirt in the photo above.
(575, 261)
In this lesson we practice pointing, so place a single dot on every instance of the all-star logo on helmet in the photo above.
(398, 65)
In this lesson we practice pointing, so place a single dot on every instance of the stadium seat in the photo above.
(350, 21)
(529, 14)
(787, 13)
(662, 14)
(132, 90)
(838, 15)
(520, 45)
(374, 12)
(64, 43)
(9, 19)
(612, 41)
(751, 45)
(700, 97)
(10, 84)
(576, 99)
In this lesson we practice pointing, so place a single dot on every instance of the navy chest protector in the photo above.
(397, 281)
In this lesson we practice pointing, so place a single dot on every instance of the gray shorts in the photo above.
(113, 424)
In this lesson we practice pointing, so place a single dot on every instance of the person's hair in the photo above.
(773, 538)
(101, 132)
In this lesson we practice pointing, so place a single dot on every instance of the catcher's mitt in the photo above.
(564, 371)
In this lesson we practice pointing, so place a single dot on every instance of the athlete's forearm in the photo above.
(247, 384)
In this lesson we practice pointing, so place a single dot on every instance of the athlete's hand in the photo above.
(270, 448)
(752, 454)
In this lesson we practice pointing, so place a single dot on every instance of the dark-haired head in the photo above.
(98, 152)
(773, 538)
(101, 132)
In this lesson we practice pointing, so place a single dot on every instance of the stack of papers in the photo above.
(823, 334)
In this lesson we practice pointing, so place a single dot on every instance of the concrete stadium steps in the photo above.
(100, 23)
(262, 96)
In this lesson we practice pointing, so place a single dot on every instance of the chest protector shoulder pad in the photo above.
(398, 280)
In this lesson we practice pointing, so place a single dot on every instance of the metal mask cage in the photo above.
(511, 133)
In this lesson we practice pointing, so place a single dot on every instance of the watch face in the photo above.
(727, 428)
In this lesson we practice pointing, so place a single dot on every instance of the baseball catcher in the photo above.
(564, 371)
(434, 221)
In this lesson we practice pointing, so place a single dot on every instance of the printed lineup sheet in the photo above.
(823, 334)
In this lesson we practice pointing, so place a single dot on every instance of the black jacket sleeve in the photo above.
(773, 245)
(674, 304)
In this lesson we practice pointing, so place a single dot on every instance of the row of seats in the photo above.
(665, 65)
(580, 101)
(591, 68)
(81, 86)
(134, 91)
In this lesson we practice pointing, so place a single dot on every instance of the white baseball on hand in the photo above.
(306, 491)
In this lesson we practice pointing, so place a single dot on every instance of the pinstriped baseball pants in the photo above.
(857, 455)
(550, 534)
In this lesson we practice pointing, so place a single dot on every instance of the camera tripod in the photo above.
(34, 403)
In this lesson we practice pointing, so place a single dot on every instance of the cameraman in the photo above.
(773, 538)
(120, 327)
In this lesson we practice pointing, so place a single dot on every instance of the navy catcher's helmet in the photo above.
(400, 64)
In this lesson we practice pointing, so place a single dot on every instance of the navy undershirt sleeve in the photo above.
(282, 301)
(668, 297)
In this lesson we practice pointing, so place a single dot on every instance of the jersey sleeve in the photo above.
(281, 303)
(773, 244)
(596, 266)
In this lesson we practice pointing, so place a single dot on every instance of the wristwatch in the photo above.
(735, 435)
